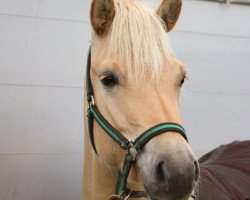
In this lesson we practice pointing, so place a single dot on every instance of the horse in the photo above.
(135, 145)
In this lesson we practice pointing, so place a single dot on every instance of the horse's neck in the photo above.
(97, 181)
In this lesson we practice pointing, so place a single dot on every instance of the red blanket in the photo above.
(225, 173)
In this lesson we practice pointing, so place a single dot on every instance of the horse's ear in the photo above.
(101, 15)
(169, 11)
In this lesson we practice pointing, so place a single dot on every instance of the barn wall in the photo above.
(43, 45)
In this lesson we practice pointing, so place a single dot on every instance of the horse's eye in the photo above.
(183, 79)
(109, 79)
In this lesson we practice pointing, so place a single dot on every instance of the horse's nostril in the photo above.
(172, 178)
(197, 170)
(161, 172)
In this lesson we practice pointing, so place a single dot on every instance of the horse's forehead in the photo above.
(102, 61)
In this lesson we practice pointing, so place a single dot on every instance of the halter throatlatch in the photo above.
(132, 147)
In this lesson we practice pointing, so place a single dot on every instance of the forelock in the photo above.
(137, 39)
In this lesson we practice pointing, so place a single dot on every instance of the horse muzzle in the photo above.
(169, 176)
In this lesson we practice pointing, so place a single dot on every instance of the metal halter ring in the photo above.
(117, 197)
(125, 198)
(92, 102)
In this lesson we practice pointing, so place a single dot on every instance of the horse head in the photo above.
(136, 82)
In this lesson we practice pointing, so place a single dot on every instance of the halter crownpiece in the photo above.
(132, 147)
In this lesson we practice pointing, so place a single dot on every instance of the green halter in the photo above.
(132, 147)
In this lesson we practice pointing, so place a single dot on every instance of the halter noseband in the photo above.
(132, 147)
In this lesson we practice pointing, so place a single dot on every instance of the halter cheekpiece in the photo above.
(132, 147)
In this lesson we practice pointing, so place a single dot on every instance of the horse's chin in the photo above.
(164, 197)
(167, 198)
(158, 193)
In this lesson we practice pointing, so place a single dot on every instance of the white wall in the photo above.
(213, 40)
(43, 45)
(42, 56)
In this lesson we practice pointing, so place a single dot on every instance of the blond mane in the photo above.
(138, 39)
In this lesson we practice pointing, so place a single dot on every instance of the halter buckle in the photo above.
(132, 150)
(91, 102)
